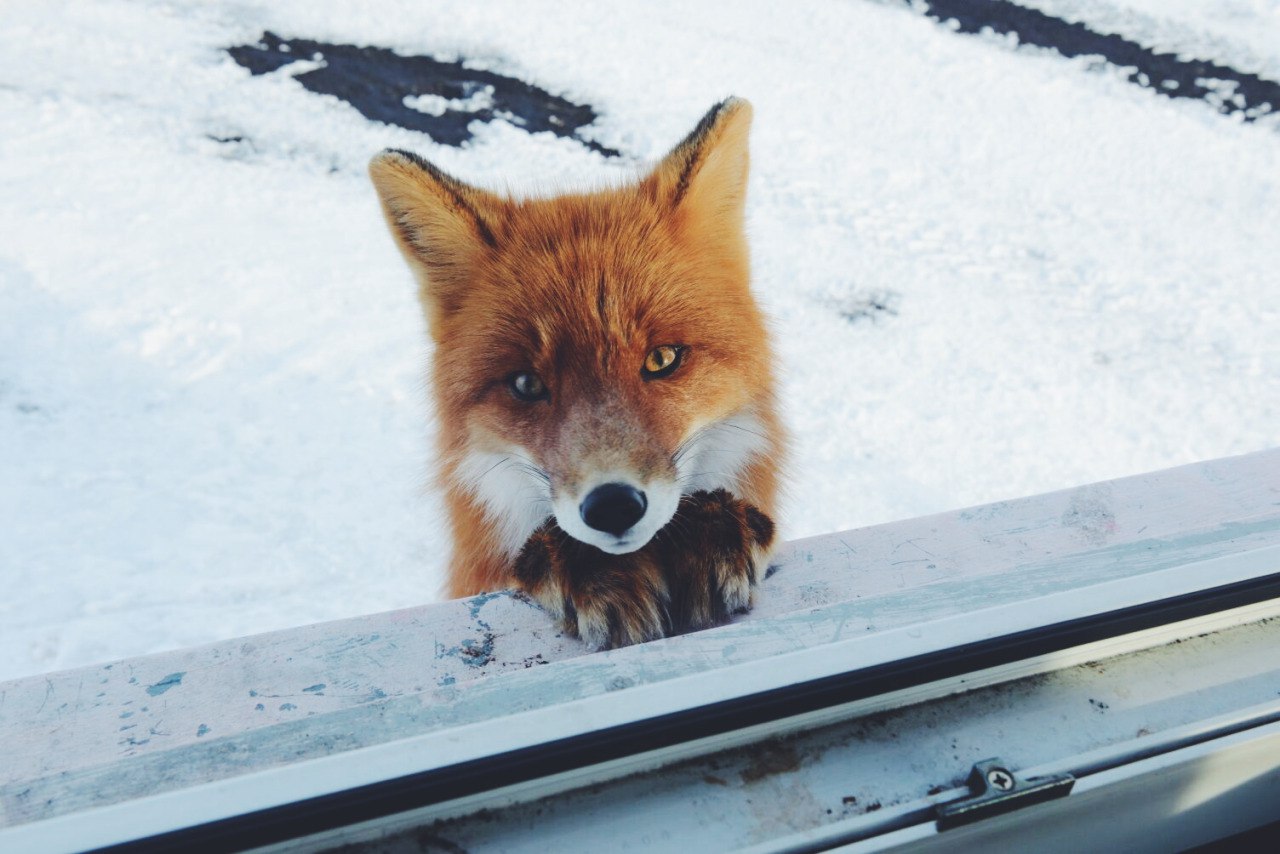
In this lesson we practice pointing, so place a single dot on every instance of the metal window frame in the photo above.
(530, 754)
(1136, 797)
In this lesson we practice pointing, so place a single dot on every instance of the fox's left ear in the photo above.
(705, 176)
(441, 225)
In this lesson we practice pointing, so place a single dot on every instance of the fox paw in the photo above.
(697, 571)
(714, 553)
(607, 600)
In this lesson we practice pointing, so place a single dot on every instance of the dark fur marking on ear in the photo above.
(407, 233)
(694, 143)
(455, 189)
(424, 247)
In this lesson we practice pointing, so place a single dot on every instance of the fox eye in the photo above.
(661, 361)
(527, 386)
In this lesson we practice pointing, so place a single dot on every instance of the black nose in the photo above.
(613, 507)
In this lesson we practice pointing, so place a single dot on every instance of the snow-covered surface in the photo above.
(212, 417)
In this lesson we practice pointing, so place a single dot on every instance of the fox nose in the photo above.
(613, 507)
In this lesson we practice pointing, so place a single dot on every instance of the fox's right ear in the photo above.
(704, 178)
(440, 224)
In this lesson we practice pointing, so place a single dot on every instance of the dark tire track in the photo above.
(1223, 88)
(376, 82)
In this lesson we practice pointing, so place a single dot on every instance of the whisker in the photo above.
(489, 470)
(534, 472)
(730, 425)
(532, 467)
(541, 481)
(687, 444)
(691, 476)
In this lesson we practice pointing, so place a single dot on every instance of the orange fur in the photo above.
(578, 289)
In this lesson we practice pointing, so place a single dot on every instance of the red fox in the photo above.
(609, 440)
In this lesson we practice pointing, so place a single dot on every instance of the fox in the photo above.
(609, 440)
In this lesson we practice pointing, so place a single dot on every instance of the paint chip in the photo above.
(166, 683)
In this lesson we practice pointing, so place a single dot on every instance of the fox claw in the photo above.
(696, 572)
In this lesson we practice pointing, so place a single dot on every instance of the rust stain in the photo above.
(772, 759)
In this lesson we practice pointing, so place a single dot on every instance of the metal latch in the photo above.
(995, 789)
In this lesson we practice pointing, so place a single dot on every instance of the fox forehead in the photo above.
(617, 260)
(575, 281)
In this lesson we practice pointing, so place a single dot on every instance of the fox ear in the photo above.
(440, 224)
(705, 176)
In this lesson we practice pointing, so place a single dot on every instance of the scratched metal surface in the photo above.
(859, 771)
(101, 734)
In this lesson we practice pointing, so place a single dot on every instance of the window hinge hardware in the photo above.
(996, 789)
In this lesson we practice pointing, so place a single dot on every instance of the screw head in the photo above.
(1000, 779)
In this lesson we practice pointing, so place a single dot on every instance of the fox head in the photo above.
(596, 354)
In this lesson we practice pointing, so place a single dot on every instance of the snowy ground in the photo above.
(212, 418)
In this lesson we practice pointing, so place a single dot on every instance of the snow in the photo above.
(213, 420)
(436, 105)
